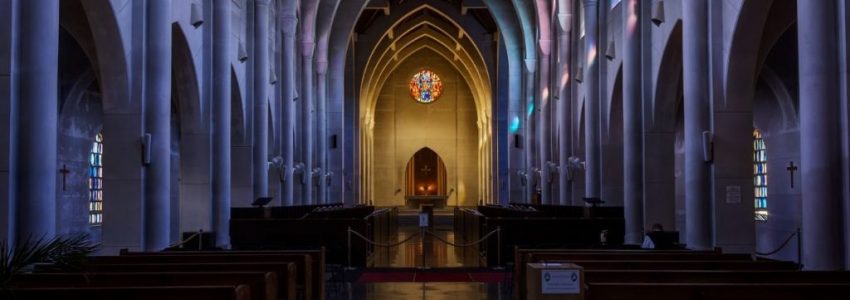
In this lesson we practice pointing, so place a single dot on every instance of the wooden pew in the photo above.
(535, 233)
(547, 256)
(523, 256)
(303, 263)
(318, 261)
(715, 276)
(681, 265)
(284, 282)
(263, 285)
(239, 292)
(718, 291)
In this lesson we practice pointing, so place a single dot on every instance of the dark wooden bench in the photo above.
(316, 261)
(546, 256)
(680, 265)
(303, 262)
(263, 285)
(715, 276)
(239, 292)
(717, 291)
(285, 282)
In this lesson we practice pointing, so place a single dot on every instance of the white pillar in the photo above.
(221, 122)
(288, 101)
(543, 121)
(157, 111)
(261, 100)
(819, 135)
(632, 124)
(591, 103)
(697, 109)
(565, 144)
(309, 118)
(321, 112)
(38, 115)
(530, 66)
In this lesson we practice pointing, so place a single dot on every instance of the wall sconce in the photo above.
(272, 76)
(197, 16)
(243, 55)
(580, 74)
(610, 51)
(658, 13)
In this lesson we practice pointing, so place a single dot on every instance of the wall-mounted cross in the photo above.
(791, 169)
(64, 170)
(426, 169)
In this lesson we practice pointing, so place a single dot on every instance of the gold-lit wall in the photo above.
(404, 126)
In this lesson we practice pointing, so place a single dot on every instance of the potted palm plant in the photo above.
(64, 252)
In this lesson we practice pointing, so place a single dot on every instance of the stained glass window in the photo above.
(96, 181)
(760, 175)
(426, 86)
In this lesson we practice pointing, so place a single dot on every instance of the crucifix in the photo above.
(426, 169)
(64, 170)
(791, 169)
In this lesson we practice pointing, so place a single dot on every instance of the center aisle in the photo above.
(450, 272)
(438, 254)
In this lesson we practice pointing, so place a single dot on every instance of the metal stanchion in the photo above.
(499, 248)
(422, 240)
(799, 249)
(200, 239)
(349, 268)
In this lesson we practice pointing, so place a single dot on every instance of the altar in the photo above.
(417, 201)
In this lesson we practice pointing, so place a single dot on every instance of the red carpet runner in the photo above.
(433, 276)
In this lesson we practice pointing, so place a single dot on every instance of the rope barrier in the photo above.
(785, 243)
(463, 245)
(425, 231)
(186, 240)
(366, 239)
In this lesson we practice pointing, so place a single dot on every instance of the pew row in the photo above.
(285, 281)
(239, 292)
(263, 285)
(314, 264)
(717, 291)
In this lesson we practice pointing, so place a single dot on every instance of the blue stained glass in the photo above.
(96, 181)
(760, 175)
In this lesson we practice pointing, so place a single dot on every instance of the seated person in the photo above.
(657, 238)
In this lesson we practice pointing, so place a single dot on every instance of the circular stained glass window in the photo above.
(426, 87)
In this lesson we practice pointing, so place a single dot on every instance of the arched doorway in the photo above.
(425, 180)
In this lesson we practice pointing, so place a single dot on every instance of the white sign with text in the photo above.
(423, 219)
(560, 281)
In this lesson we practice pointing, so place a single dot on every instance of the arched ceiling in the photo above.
(425, 27)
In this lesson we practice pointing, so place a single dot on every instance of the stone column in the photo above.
(309, 117)
(530, 65)
(321, 112)
(288, 103)
(819, 135)
(543, 120)
(632, 124)
(221, 122)
(38, 115)
(261, 100)
(592, 98)
(697, 108)
(565, 144)
(157, 214)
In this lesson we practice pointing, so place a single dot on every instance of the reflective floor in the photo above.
(431, 290)
(434, 251)
(436, 254)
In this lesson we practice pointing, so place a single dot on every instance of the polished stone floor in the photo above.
(438, 256)
(423, 290)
